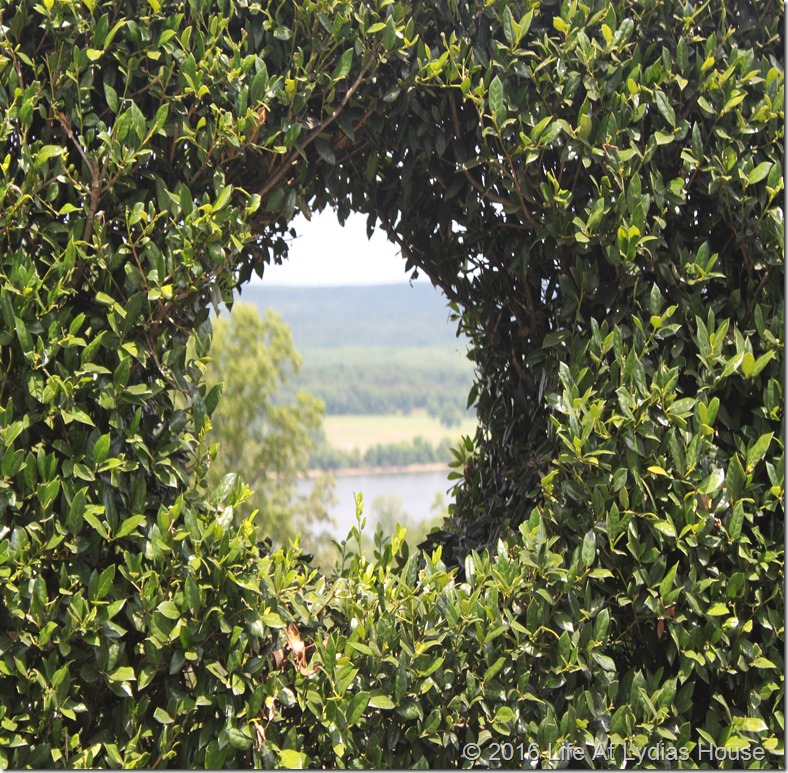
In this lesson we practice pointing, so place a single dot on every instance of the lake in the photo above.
(416, 490)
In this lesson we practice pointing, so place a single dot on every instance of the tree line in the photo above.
(363, 380)
(419, 451)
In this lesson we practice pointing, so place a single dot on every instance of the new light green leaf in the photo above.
(381, 702)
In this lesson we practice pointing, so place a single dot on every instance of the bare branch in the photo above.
(95, 178)
(290, 161)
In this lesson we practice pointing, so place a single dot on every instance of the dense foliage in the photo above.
(594, 184)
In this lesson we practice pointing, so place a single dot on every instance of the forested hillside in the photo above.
(374, 350)
(379, 316)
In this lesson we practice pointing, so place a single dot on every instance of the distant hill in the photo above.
(381, 349)
(380, 316)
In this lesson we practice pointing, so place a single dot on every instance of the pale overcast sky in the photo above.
(326, 253)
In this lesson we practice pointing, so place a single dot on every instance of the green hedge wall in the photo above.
(594, 185)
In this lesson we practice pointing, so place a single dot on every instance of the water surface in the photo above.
(416, 490)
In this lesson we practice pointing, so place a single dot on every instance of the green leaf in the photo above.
(292, 760)
(493, 670)
(258, 86)
(508, 26)
(682, 407)
(747, 364)
(762, 361)
(503, 716)
(750, 724)
(588, 551)
(496, 100)
(129, 525)
(39, 598)
(47, 492)
(400, 682)
(389, 38)
(759, 173)
(735, 478)
(663, 105)
(186, 201)
(361, 647)
(122, 674)
(215, 756)
(75, 512)
(667, 582)
(605, 662)
(161, 716)
(433, 722)
(239, 740)
(325, 151)
(601, 625)
(357, 707)
(758, 450)
(192, 593)
(47, 152)
(223, 198)
(43, 639)
(735, 585)
(24, 337)
(221, 492)
(665, 527)
(718, 610)
(343, 66)
(525, 23)
(761, 662)
(101, 448)
(713, 483)
(79, 415)
(112, 98)
(93, 520)
(470, 568)
(170, 610)
(105, 582)
(273, 620)
(736, 522)
(12, 462)
(381, 702)
(565, 647)
(682, 55)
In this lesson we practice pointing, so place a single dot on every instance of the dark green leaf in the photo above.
(588, 551)
(356, 709)
(496, 100)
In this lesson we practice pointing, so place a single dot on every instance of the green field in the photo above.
(364, 431)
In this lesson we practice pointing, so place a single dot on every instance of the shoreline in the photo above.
(404, 468)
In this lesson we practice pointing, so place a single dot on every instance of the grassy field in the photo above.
(363, 431)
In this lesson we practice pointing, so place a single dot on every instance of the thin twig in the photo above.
(393, 235)
(95, 178)
(471, 179)
(321, 127)
(754, 301)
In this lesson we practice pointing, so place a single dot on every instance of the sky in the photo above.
(326, 253)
